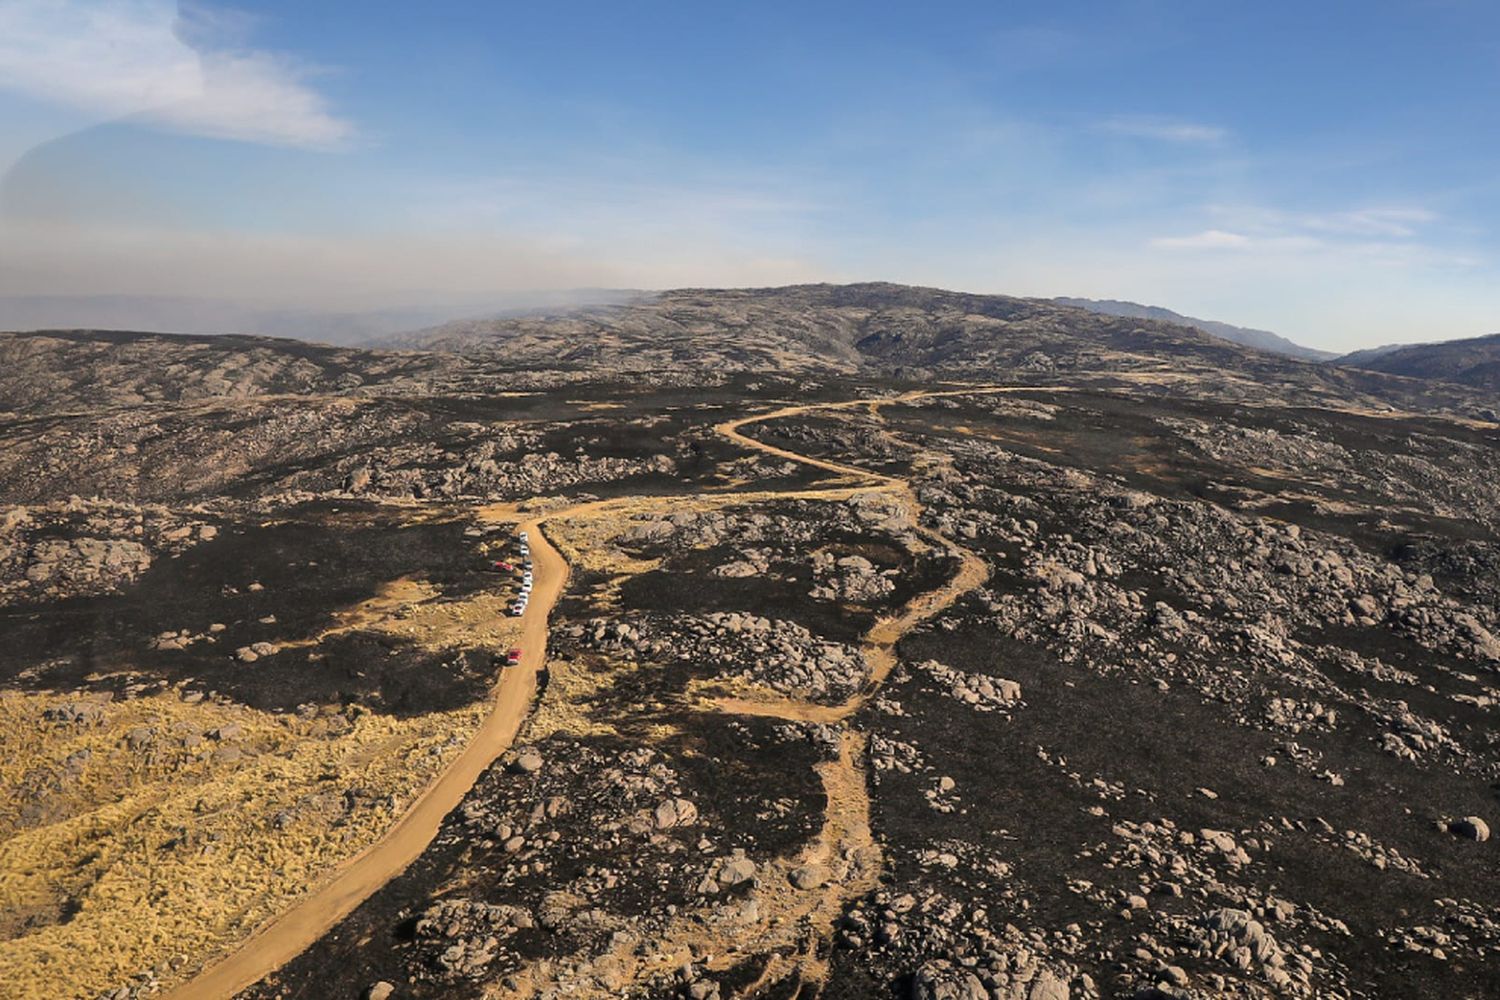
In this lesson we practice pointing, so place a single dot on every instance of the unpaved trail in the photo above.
(845, 831)
(879, 644)
(296, 929)
(794, 923)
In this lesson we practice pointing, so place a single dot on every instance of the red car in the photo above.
(504, 567)
(513, 657)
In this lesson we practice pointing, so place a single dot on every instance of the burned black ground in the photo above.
(274, 582)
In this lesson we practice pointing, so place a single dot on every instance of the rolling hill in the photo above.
(1474, 361)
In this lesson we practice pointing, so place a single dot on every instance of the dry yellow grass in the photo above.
(589, 541)
(164, 863)
(572, 688)
(166, 854)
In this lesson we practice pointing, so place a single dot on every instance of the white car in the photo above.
(517, 610)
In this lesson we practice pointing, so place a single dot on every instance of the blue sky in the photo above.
(1324, 170)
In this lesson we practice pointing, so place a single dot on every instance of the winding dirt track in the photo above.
(293, 931)
(880, 641)
(299, 927)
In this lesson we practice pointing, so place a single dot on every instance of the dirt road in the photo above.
(357, 879)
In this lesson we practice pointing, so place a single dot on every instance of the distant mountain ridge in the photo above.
(920, 336)
(870, 326)
(1473, 361)
(1263, 340)
(879, 329)
(1363, 356)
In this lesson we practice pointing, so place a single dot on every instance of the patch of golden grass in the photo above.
(168, 853)
(589, 544)
(375, 614)
(710, 691)
(480, 620)
(173, 860)
(389, 599)
(573, 688)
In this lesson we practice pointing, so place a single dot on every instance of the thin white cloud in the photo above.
(1387, 237)
(590, 211)
(1370, 222)
(1398, 223)
(1333, 294)
(1208, 239)
(128, 59)
(1164, 129)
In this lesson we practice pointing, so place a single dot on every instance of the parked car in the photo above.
(513, 657)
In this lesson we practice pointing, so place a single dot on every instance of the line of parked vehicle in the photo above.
(520, 566)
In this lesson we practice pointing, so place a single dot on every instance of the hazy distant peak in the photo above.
(1472, 361)
(1263, 340)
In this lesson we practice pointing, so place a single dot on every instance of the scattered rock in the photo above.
(1470, 828)
(527, 762)
(807, 877)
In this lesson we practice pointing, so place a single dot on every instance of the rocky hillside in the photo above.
(65, 370)
(1474, 361)
(885, 330)
(842, 328)
(701, 337)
